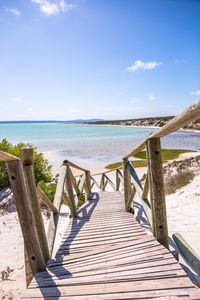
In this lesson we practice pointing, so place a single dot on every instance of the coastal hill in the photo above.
(147, 122)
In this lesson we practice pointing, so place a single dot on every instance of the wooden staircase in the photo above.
(106, 254)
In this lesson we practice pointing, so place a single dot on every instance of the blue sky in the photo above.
(107, 59)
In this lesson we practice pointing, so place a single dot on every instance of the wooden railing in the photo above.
(71, 190)
(152, 192)
(104, 180)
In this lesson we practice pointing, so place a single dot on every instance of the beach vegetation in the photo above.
(42, 169)
(177, 181)
(167, 154)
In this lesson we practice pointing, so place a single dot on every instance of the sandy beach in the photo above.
(183, 217)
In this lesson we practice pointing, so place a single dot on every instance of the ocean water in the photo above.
(90, 145)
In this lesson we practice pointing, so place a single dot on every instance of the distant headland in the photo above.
(147, 122)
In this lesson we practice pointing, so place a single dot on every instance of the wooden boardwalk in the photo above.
(106, 254)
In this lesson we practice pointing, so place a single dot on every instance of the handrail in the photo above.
(4, 156)
(74, 165)
(105, 172)
(190, 114)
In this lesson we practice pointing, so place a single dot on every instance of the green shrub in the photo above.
(49, 189)
(42, 169)
(177, 181)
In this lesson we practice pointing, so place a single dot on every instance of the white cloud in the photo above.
(196, 93)
(151, 97)
(13, 11)
(53, 8)
(141, 65)
(169, 105)
(18, 99)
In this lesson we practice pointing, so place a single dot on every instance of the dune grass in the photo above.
(167, 154)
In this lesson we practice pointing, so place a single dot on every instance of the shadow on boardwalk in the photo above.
(47, 278)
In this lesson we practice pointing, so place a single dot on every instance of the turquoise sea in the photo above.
(89, 145)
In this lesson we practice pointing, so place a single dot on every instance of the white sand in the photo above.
(12, 251)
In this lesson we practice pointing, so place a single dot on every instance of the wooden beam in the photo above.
(139, 189)
(130, 204)
(7, 157)
(135, 179)
(188, 253)
(43, 198)
(157, 191)
(28, 270)
(102, 183)
(70, 193)
(82, 183)
(146, 188)
(27, 160)
(127, 183)
(110, 181)
(74, 165)
(117, 184)
(87, 184)
(74, 183)
(95, 182)
(57, 203)
(25, 213)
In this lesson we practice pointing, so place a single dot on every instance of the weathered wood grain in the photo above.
(25, 213)
(157, 191)
(57, 203)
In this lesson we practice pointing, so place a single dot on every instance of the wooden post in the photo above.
(156, 183)
(53, 223)
(87, 184)
(127, 183)
(70, 192)
(130, 203)
(117, 181)
(26, 217)
(102, 183)
(27, 160)
(28, 270)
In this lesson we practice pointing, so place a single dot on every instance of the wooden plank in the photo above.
(72, 199)
(139, 190)
(7, 157)
(102, 182)
(110, 181)
(188, 253)
(74, 165)
(87, 184)
(117, 182)
(82, 183)
(130, 203)
(110, 258)
(96, 183)
(157, 191)
(43, 198)
(127, 184)
(74, 183)
(146, 188)
(57, 203)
